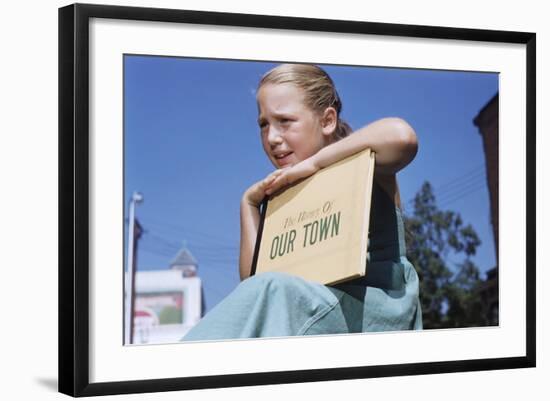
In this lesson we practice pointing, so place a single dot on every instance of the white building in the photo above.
(168, 302)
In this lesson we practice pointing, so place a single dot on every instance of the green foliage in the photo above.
(449, 291)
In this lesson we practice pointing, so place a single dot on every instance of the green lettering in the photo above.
(274, 246)
(305, 234)
(290, 247)
(335, 225)
(314, 232)
(282, 245)
(324, 227)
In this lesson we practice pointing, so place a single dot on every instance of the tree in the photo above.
(448, 289)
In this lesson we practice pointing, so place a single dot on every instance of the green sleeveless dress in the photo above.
(276, 304)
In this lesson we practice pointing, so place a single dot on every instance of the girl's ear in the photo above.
(329, 120)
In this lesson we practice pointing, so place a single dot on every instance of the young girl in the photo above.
(301, 130)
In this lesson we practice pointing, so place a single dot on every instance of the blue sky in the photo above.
(192, 147)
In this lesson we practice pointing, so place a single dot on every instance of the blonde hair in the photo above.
(318, 88)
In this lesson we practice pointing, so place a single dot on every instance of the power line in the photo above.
(202, 253)
(208, 258)
(450, 194)
(155, 252)
(160, 246)
(205, 251)
(192, 243)
(205, 254)
(457, 185)
(180, 229)
(480, 168)
(208, 267)
(477, 178)
(472, 190)
(163, 240)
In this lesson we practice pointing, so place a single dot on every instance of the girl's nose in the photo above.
(274, 136)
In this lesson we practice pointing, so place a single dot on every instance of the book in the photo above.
(317, 229)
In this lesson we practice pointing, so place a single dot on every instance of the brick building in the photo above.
(487, 123)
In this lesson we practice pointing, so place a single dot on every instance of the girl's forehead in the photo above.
(280, 93)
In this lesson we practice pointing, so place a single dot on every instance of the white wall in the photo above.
(28, 209)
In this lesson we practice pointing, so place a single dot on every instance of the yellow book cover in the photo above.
(317, 229)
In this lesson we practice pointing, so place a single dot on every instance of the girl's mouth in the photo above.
(283, 158)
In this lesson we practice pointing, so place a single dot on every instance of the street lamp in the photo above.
(129, 292)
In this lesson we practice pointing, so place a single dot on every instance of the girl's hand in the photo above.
(257, 192)
(290, 175)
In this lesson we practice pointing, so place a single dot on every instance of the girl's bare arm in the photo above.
(250, 220)
(392, 139)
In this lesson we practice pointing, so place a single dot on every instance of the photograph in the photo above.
(206, 140)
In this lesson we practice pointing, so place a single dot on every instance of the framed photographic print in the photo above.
(163, 128)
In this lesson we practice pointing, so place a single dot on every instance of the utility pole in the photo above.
(129, 290)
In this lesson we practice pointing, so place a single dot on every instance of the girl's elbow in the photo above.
(411, 145)
(408, 141)
(405, 145)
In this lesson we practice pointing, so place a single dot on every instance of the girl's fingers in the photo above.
(278, 183)
(272, 181)
(271, 177)
(268, 181)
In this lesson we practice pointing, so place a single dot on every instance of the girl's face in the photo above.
(291, 131)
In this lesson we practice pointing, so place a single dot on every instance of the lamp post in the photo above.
(129, 291)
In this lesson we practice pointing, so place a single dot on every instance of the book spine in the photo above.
(366, 216)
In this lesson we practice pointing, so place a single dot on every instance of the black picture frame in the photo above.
(74, 191)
